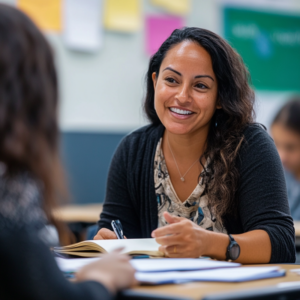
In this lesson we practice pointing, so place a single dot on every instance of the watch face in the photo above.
(234, 251)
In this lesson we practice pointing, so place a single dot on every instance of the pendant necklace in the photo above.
(181, 176)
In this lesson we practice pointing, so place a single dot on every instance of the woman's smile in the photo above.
(181, 113)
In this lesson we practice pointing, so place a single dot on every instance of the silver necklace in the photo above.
(181, 176)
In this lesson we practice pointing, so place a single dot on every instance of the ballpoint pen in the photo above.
(118, 229)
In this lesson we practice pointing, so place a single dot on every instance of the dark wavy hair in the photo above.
(29, 133)
(289, 115)
(236, 99)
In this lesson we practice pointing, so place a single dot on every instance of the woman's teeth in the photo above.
(180, 111)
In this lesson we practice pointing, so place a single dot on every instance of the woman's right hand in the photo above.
(105, 234)
(113, 271)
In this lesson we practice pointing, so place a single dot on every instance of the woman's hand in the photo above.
(105, 234)
(181, 238)
(113, 270)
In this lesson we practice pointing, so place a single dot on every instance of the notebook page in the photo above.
(129, 245)
(179, 264)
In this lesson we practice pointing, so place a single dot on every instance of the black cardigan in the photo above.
(262, 196)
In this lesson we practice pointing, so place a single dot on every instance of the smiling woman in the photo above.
(203, 178)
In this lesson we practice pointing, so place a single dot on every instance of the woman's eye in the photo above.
(171, 80)
(201, 86)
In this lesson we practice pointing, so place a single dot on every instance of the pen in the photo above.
(118, 229)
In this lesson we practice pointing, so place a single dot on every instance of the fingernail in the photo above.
(153, 234)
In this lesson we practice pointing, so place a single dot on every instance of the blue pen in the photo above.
(118, 229)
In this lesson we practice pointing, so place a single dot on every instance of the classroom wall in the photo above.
(104, 91)
(101, 93)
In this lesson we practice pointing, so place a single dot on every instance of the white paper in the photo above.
(283, 285)
(295, 270)
(73, 264)
(129, 245)
(150, 265)
(82, 24)
(223, 275)
(179, 264)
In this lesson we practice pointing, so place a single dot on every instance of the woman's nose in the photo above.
(183, 94)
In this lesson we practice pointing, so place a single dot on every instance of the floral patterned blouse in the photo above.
(194, 208)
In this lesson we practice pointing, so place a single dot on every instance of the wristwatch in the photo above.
(233, 249)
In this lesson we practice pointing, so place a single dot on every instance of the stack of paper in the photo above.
(221, 275)
(151, 265)
(179, 264)
(163, 271)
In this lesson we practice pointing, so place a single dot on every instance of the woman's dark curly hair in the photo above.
(29, 133)
(236, 99)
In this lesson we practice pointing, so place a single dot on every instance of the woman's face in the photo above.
(288, 146)
(185, 89)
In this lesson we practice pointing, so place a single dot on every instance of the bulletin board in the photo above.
(269, 44)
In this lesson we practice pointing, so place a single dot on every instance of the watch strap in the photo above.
(231, 241)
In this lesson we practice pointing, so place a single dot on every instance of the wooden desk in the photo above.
(88, 213)
(213, 290)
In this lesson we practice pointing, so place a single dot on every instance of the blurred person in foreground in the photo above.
(31, 174)
(286, 134)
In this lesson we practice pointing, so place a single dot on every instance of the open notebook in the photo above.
(95, 248)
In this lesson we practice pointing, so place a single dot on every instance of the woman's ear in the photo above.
(154, 79)
(218, 104)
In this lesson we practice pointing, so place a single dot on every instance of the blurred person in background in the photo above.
(202, 178)
(31, 174)
(285, 130)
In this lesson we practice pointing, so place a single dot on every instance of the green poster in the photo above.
(269, 44)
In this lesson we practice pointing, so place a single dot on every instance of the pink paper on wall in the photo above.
(158, 29)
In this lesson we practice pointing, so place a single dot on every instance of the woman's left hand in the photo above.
(181, 238)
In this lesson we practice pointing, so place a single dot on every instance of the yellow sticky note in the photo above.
(122, 15)
(45, 13)
(181, 7)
